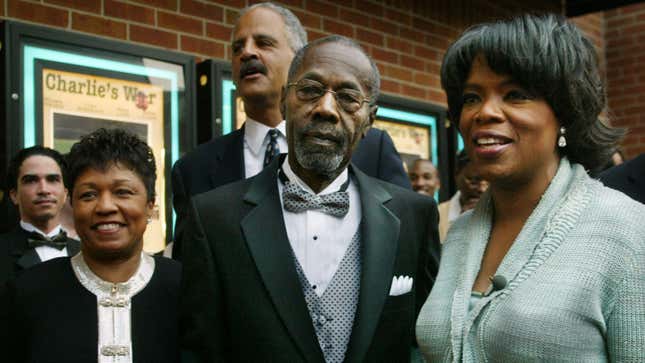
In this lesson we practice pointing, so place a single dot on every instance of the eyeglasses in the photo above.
(308, 90)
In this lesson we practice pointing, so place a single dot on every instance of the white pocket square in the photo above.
(401, 285)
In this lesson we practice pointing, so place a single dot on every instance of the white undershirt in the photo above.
(45, 253)
(255, 145)
(321, 257)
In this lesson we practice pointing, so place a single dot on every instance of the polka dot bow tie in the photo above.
(297, 200)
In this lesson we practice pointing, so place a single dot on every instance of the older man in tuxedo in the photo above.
(311, 260)
(264, 40)
(35, 183)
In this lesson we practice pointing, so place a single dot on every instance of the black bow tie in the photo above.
(297, 200)
(58, 241)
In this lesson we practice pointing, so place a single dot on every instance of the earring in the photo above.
(149, 220)
(562, 141)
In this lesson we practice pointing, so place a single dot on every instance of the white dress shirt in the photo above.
(256, 140)
(45, 252)
(320, 240)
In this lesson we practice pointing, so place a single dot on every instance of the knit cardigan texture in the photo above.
(576, 282)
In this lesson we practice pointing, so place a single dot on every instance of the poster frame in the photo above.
(26, 49)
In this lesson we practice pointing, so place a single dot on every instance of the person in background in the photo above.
(470, 187)
(111, 302)
(311, 260)
(628, 177)
(549, 265)
(424, 177)
(35, 179)
(264, 40)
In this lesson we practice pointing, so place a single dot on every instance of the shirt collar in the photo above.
(333, 187)
(255, 133)
(31, 228)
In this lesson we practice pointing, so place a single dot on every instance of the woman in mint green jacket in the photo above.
(550, 265)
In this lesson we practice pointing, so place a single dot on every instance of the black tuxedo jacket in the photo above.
(16, 255)
(48, 316)
(221, 161)
(628, 178)
(242, 300)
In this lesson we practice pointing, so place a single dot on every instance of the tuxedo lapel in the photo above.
(228, 164)
(380, 235)
(73, 247)
(25, 257)
(266, 237)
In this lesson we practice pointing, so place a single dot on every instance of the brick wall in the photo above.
(407, 38)
(625, 51)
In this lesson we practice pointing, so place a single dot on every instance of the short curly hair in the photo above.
(106, 147)
(548, 56)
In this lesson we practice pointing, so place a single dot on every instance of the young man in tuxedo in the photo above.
(36, 186)
(311, 260)
(264, 40)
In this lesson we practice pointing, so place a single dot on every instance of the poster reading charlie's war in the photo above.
(75, 104)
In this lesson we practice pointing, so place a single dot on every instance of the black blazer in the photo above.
(221, 161)
(16, 255)
(51, 317)
(242, 300)
(628, 178)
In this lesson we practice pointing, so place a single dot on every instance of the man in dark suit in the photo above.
(265, 38)
(36, 186)
(311, 260)
(628, 177)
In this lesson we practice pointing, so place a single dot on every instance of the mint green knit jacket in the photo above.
(576, 282)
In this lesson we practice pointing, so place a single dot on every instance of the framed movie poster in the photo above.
(67, 85)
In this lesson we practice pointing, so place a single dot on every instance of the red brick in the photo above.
(369, 7)
(369, 37)
(437, 96)
(179, 23)
(437, 41)
(412, 62)
(98, 25)
(153, 36)
(397, 16)
(165, 4)
(411, 34)
(384, 26)
(427, 54)
(390, 86)
(313, 35)
(402, 46)
(427, 79)
(232, 3)
(433, 67)
(308, 20)
(384, 55)
(354, 17)
(93, 6)
(218, 31)
(322, 8)
(37, 13)
(335, 27)
(231, 16)
(413, 91)
(120, 10)
(204, 47)
(398, 73)
(202, 10)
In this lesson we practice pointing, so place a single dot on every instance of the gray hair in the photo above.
(373, 82)
(295, 33)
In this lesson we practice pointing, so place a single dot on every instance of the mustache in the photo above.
(252, 66)
(326, 131)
